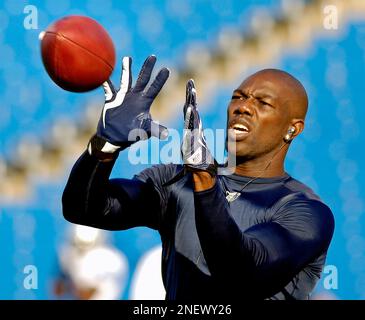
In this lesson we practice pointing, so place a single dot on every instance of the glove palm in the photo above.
(126, 116)
(195, 152)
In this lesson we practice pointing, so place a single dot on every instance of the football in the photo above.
(77, 53)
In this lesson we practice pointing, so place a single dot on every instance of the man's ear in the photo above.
(298, 124)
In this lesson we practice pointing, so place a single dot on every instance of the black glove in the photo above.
(195, 153)
(194, 149)
(126, 116)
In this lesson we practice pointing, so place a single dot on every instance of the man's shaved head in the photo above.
(292, 88)
(264, 109)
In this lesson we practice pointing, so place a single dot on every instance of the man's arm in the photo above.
(266, 256)
(91, 199)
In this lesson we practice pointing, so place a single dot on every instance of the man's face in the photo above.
(258, 116)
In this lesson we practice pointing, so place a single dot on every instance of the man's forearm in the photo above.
(85, 188)
(90, 198)
(228, 254)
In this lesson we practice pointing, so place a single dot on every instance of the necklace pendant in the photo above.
(231, 196)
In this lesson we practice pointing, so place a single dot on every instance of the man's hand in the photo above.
(196, 155)
(126, 116)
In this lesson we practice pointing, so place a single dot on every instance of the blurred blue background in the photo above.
(327, 156)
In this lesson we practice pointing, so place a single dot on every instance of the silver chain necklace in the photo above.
(232, 196)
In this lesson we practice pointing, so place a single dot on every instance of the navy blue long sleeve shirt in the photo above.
(270, 243)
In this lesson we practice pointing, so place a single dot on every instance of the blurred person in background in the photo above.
(147, 282)
(253, 233)
(90, 267)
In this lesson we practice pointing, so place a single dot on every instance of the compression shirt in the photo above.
(270, 243)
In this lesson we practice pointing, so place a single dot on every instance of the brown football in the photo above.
(78, 53)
